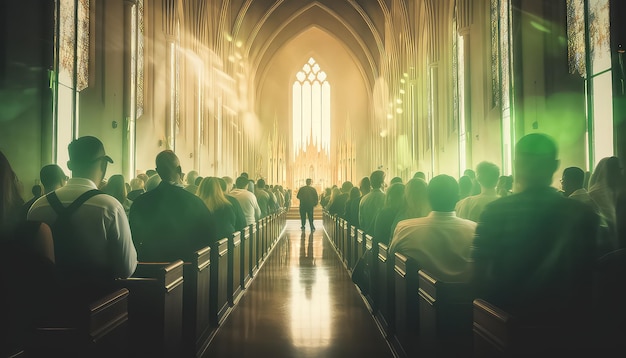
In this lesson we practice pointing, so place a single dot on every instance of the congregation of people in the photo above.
(519, 242)
(523, 244)
(79, 234)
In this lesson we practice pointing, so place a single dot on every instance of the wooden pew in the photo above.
(384, 290)
(499, 334)
(97, 328)
(493, 330)
(234, 268)
(246, 257)
(360, 244)
(370, 295)
(406, 305)
(155, 309)
(254, 261)
(345, 244)
(445, 317)
(353, 247)
(260, 228)
(197, 325)
(218, 291)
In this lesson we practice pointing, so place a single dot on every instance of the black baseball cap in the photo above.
(86, 150)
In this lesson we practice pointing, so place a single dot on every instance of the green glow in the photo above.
(539, 27)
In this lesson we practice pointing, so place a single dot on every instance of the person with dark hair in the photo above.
(263, 198)
(419, 175)
(352, 207)
(150, 173)
(472, 206)
(415, 202)
(372, 202)
(534, 251)
(395, 180)
(247, 200)
(465, 187)
(572, 185)
(52, 177)
(307, 195)
(168, 222)
(441, 242)
(504, 186)
(393, 203)
(475, 185)
(338, 204)
(101, 248)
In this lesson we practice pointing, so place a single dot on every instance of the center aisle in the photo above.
(302, 304)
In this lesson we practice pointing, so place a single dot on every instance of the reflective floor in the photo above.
(302, 304)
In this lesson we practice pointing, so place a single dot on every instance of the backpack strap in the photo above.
(58, 207)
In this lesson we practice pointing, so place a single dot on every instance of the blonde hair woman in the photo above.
(220, 208)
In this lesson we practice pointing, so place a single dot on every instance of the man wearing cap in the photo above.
(99, 224)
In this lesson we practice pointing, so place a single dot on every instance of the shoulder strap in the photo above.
(54, 201)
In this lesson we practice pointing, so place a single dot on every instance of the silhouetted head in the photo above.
(168, 166)
(394, 196)
(365, 186)
(355, 193)
(116, 187)
(572, 180)
(443, 193)
(241, 182)
(137, 184)
(346, 187)
(151, 172)
(260, 183)
(465, 186)
(52, 177)
(309, 181)
(191, 177)
(245, 175)
(535, 161)
(470, 173)
(222, 184)
(419, 175)
(88, 159)
(487, 174)
(36, 190)
(395, 180)
(198, 181)
(377, 178)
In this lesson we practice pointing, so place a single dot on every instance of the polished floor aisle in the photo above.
(302, 304)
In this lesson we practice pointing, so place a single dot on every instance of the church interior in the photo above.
(330, 90)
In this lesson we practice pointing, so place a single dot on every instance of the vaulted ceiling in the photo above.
(262, 27)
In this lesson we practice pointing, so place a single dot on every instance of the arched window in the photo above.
(311, 108)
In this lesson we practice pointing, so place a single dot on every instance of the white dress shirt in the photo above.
(249, 205)
(440, 243)
(471, 207)
(101, 220)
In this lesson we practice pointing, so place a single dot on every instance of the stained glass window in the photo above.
(66, 38)
(140, 57)
(311, 108)
(82, 45)
(599, 27)
(495, 53)
(576, 36)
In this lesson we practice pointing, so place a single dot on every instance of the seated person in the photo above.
(441, 242)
